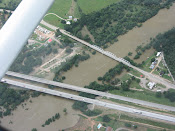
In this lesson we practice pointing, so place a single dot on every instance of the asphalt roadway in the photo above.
(91, 101)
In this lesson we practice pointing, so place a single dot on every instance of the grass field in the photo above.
(147, 64)
(146, 121)
(136, 73)
(146, 96)
(60, 7)
(53, 20)
(115, 123)
(112, 123)
(89, 6)
(141, 106)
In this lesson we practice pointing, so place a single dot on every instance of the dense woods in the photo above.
(166, 43)
(10, 99)
(107, 24)
(28, 59)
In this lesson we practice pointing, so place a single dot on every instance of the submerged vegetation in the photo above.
(10, 99)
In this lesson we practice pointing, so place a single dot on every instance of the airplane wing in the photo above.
(16, 31)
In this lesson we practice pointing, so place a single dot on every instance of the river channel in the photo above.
(89, 70)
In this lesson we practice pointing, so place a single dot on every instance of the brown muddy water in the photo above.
(45, 107)
(98, 65)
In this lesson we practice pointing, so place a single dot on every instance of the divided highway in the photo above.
(80, 89)
(91, 101)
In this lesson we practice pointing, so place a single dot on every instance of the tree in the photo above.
(94, 52)
(127, 124)
(158, 94)
(34, 129)
(137, 80)
(100, 78)
(68, 50)
(63, 21)
(130, 54)
(106, 118)
(63, 77)
(65, 110)
(152, 60)
(55, 51)
(135, 126)
(57, 33)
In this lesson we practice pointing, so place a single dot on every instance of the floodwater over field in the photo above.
(42, 108)
(45, 107)
(97, 65)
(34, 114)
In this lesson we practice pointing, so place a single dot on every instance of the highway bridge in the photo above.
(81, 89)
(91, 101)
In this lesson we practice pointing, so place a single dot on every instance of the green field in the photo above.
(60, 7)
(146, 96)
(53, 20)
(89, 6)
(147, 64)
(146, 121)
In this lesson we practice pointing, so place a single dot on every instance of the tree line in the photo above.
(28, 59)
(116, 19)
(52, 119)
(10, 99)
(69, 64)
(166, 44)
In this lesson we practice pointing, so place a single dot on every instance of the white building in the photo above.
(70, 17)
(99, 126)
(158, 54)
(75, 19)
(68, 23)
(151, 85)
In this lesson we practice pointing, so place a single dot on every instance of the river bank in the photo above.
(98, 65)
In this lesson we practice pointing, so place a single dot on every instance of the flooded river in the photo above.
(45, 107)
(97, 65)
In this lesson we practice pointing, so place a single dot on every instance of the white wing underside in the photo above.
(18, 28)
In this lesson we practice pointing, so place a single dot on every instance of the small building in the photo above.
(75, 19)
(158, 54)
(99, 126)
(50, 40)
(70, 17)
(159, 90)
(152, 66)
(109, 128)
(151, 85)
(68, 22)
